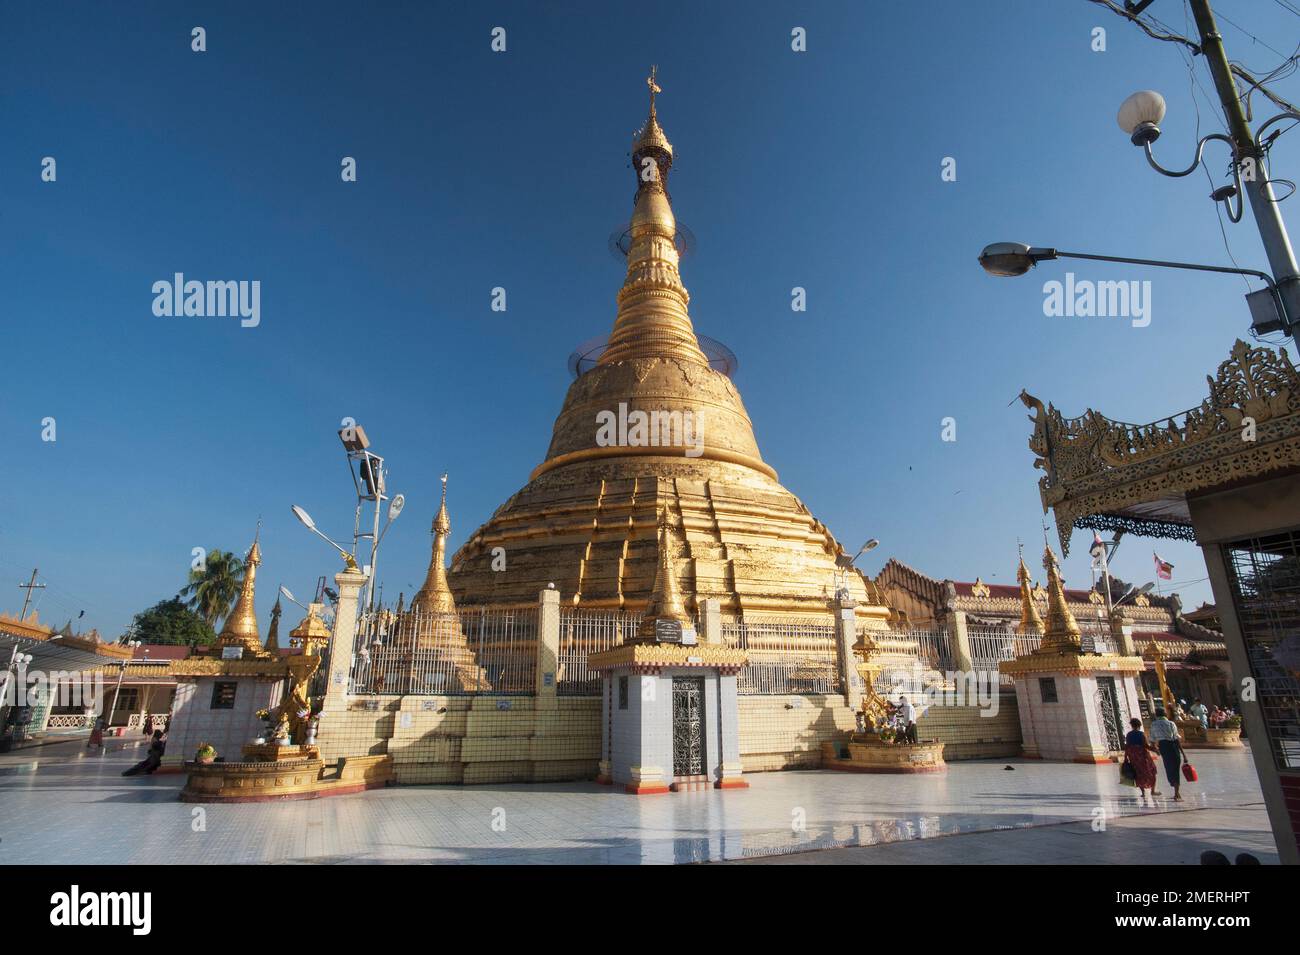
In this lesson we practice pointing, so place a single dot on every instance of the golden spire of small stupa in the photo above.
(666, 598)
(240, 628)
(1030, 620)
(1061, 632)
(652, 318)
(435, 595)
(273, 635)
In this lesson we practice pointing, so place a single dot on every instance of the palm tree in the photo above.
(212, 590)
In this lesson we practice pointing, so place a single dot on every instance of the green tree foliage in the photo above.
(213, 590)
(170, 621)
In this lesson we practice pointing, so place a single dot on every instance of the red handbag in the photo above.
(1189, 772)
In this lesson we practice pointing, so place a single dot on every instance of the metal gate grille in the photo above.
(1264, 575)
(1108, 710)
(688, 726)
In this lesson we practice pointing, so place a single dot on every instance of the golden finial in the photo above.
(1061, 632)
(441, 522)
(654, 87)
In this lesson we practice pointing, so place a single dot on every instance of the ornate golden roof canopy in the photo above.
(240, 628)
(311, 633)
(435, 595)
(1110, 475)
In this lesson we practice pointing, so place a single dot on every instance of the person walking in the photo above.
(1137, 754)
(908, 718)
(97, 734)
(1164, 732)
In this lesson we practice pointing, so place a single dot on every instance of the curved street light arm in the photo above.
(1196, 161)
(1235, 209)
(1053, 253)
(1259, 133)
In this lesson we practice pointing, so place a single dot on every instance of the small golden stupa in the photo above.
(586, 519)
(435, 595)
(1061, 631)
(439, 643)
(1031, 622)
(666, 597)
(240, 628)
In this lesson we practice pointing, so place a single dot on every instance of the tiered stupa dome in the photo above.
(587, 519)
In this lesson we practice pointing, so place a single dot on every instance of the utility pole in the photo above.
(1263, 204)
(29, 587)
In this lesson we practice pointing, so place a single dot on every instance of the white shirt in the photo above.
(908, 711)
(1163, 729)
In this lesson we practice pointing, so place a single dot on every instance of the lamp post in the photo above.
(846, 563)
(121, 672)
(288, 595)
(1136, 592)
(1140, 116)
(370, 478)
(1011, 259)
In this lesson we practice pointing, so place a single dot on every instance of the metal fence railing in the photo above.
(796, 656)
(582, 633)
(475, 650)
(931, 648)
(991, 646)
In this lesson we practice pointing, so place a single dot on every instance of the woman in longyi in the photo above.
(1137, 754)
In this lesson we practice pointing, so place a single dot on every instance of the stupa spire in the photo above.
(666, 598)
(652, 320)
(273, 635)
(240, 628)
(1030, 620)
(1061, 632)
(435, 595)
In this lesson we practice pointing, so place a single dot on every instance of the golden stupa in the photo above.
(240, 629)
(587, 519)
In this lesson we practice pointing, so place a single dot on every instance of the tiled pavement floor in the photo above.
(58, 805)
(1160, 838)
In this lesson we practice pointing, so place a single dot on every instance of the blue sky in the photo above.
(479, 169)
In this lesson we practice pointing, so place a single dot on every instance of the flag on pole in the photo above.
(1164, 569)
(1098, 551)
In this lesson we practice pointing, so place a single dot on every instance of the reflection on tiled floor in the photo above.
(57, 805)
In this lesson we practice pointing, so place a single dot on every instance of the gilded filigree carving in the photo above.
(1094, 467)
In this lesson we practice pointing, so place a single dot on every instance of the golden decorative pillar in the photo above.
(1158, 657)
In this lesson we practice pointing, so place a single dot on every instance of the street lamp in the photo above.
(303, 516)
(370, 479)
(1136, 592)
(291, 598)
(1140, 116)
(845, 564)
(1011, 259)
(121, 672)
